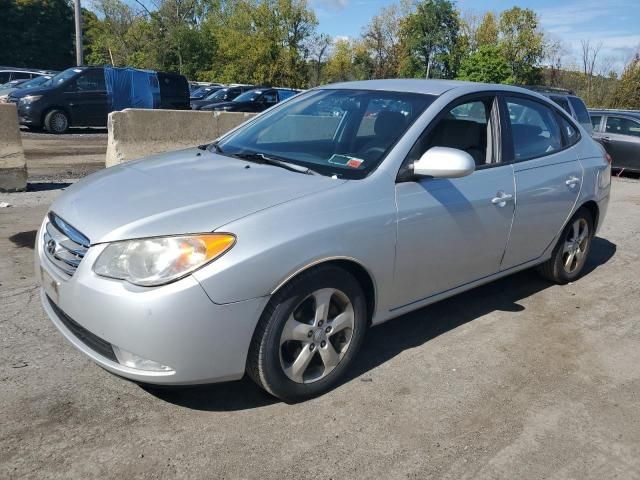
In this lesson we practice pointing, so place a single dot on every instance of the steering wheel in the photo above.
(373, 152)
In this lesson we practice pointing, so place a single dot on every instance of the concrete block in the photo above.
(13, 167)
(137, 133)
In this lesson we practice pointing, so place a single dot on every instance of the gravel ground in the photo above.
(72, 155)
(518, 379)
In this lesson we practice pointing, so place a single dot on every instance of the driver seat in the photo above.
(387, 127)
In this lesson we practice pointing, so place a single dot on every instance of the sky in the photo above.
(614, 23)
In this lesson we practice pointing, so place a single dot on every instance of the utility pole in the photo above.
(78, 10)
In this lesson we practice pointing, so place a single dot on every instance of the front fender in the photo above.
(355, 221)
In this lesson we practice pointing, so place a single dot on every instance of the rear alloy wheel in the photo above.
(570, 253)
(309, 334)
(56, 121)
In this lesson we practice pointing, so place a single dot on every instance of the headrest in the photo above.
(389, 124)
(461, 134)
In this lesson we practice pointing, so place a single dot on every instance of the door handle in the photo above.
(572, 182)
(501, 199)
(606, 139)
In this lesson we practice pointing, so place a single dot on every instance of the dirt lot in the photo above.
(76, 154)
(517, 380)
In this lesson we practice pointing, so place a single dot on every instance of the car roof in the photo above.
(631, 113)
(429, 87)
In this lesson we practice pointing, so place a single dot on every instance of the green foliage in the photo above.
(37, 33)
(522, 44)
(276, 42)
(486, 65)
(430, 36)
(627, 92)
(487, 32)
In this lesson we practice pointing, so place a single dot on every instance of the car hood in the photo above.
(203, 101)
(188, 191)
(23, 92)
(234, 105)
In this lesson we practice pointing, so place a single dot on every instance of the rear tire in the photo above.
(56, 121)
(572, 250)
(309, 334)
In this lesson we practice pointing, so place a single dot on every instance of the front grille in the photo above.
(64, 246)
(92, 341)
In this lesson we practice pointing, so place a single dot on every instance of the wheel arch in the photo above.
(354, 267)
(594, 210)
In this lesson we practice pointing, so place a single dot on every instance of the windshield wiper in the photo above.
(264, 159)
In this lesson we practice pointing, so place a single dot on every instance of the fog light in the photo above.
(134, 361)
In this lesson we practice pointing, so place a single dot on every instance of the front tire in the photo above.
(56, 121)
(308, 334)
(570, 253)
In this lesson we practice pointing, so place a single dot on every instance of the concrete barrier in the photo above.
(136, 133)
(13, 167)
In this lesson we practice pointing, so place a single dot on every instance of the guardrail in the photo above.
(137, 133)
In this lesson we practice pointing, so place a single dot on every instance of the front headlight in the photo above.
(156, 261)
(30, 99)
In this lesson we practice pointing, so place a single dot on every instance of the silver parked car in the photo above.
(272, 250)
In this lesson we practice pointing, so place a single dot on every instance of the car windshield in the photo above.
(218, 94)
(249, 96)
(346, 133)
(35, 82)
(63, 76)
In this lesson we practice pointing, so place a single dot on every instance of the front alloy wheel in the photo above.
(308, 334)
(316, 336)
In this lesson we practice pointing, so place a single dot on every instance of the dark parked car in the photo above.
(221, 95)
(14, 85)
(619, 133)
(204, 90)
(78, 97)
(255, 100)
(569, 102)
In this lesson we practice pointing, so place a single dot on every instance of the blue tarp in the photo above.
(131, 88)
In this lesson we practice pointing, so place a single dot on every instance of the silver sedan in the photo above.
(272, 250)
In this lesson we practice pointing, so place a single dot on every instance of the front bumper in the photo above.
(29, 114)
(176, 325)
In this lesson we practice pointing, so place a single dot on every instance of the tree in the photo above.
(37, 34)
(340, 64)
(627, 92)
(318, 47)
(430, 36)
(486, 65)
(487, 32)
(589, 58)
(522, 44)
(382, 39)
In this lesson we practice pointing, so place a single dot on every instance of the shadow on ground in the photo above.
(390, 339)
(46, 186)
(24, 239)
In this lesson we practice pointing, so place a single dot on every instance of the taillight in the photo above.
(608, 157)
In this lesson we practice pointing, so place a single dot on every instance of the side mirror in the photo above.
(444, 162)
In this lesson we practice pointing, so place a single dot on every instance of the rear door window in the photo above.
(623, 126)
(534, 129)
(581, 113)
